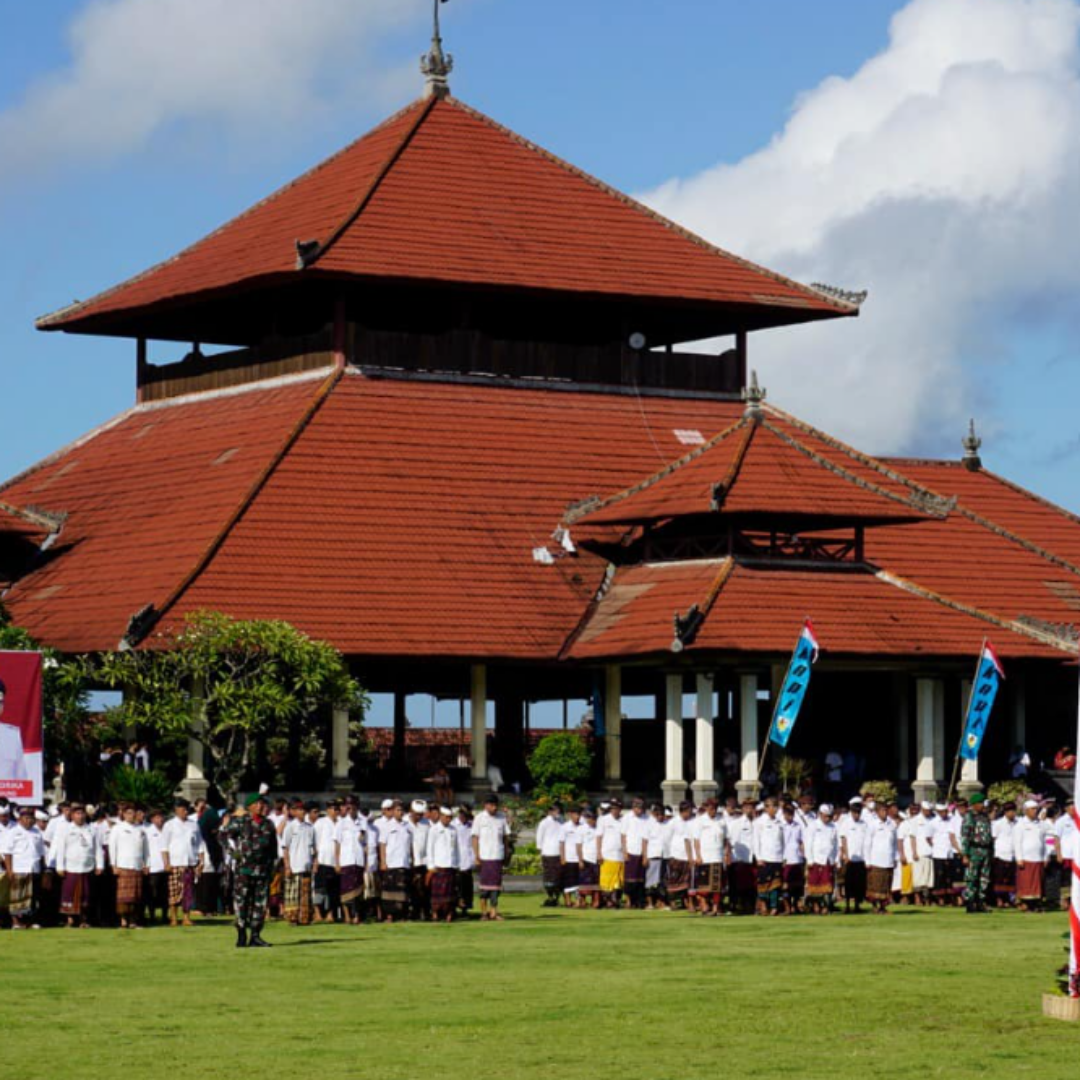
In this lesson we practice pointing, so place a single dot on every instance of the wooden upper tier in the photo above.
(441, 216)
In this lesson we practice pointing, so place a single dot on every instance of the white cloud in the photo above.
(138, 66)
(944, 175)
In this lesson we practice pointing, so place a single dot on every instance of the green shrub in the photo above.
(525, 860)
(1008, 791)
(152, 789)
(561, 758)
(879, 790)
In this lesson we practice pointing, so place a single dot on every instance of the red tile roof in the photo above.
(399, 517)
(759, 610)
(758, 467)
(441, 192)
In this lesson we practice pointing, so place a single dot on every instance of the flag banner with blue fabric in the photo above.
(981, 702)
(796, 681)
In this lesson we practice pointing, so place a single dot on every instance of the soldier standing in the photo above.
(253, 840)
(977, 848)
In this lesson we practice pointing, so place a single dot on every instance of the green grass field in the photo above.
(640, 996)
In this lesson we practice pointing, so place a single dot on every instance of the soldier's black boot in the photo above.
(241, 938)
(257, 941)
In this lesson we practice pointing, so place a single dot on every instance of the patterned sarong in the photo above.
(129, 890)
(635, 870)
(1029, 881)
(879, 883)
(1004, 877)
(443, 891)
(182, 887)
(588, 877)
(571, 877)
(21, 901)
(551, 866)
(326, 888)
(770, 877)
(491, 875)
(352, 884)
(75, 894)
(298, 899)
(942, 878)
(395, 897)
(821, 880)
(654, 874)
(678, 876)
(709, 879)
(794, 876)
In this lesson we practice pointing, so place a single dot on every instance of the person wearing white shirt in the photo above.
(570, 856)
(902, 882)
(395, 863)
(491, 850)
(1003, 867)
(181, 851)
(769, 853)
(822, 845)
(742, 871)
(129, 857)
(157, 885)
(442, 855)
(549, 841)
(853, 845)
(53, 832)
(298, 848)
(920, 852)
(78, 858)
(712, 851)
(682, 857)
(612, 830)
(23, 853)
(419, 826)
(589, 875)
(882, 854)
(943, 845)
(463, 828)
(794, 871)
(326, 882)
(636, 852)
(1029, 842)
(349, 837)
(657, 839)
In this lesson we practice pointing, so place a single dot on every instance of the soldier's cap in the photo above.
(977, 799)
(253, 798)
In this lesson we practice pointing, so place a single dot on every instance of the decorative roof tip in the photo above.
(753, 395)
(845, 296)
(971, 444)
(435, 65)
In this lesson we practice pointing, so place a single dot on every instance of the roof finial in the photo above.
(971, 443)
(437, 65)
(753, 395)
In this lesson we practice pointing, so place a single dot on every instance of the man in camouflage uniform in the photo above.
(977, 848)
(252, 839)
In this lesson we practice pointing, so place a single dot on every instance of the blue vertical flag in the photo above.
(796, 681)
(983, 692)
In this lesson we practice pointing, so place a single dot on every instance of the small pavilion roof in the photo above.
(440, 193)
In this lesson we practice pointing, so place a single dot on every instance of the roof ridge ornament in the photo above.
(846, 296)
(435, 65)
(754, 395)
(971, 444)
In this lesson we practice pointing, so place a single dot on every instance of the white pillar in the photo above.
(929, 734)
(969, 770)
(613, 728)
(704, 785)
(195, 785)
(478, 716)
(341, 764)
(748, 785)
(674, 785)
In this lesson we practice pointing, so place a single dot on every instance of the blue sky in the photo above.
(739, 119)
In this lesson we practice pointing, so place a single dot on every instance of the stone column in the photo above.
(478, 719)
(969, 770)
(341, 763)
(748, 786)
(705, 785)
(929, 735)
(674, 785)
(195, 785)
(613, 781)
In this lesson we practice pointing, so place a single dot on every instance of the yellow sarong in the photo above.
(612, 876)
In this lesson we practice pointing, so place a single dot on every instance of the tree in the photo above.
(560, 763)
(230, 684)
(64, 695)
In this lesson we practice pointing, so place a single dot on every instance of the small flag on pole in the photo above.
(983, 692)
(796, 681)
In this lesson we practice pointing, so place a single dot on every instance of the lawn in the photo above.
(637, 996)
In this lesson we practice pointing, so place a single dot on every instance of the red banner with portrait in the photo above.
(21, 768)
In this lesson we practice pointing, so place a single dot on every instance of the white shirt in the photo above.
(51, 838)
(491, 832)
(656, 835)
(768, 839)
(12, 759)
(587, 835)
(855, 833)
(26, 848)
(794, 843)
(326, 834)
(181, 841)
(822, 843)
(464, 838)
(350, 835)
(298, 841)
(420, 830)
(442, 850)
(549, 836)
(570, 842)
(882, 847)
(712, 839)
(941, 840)
(1004, 846)
(129, 846)
(636, 831)
(922, 837)
(1029, 839)
(741, 836)
(279, 821)
(153, 841)
(79, 851)
(1068, 837)
(395, 839)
